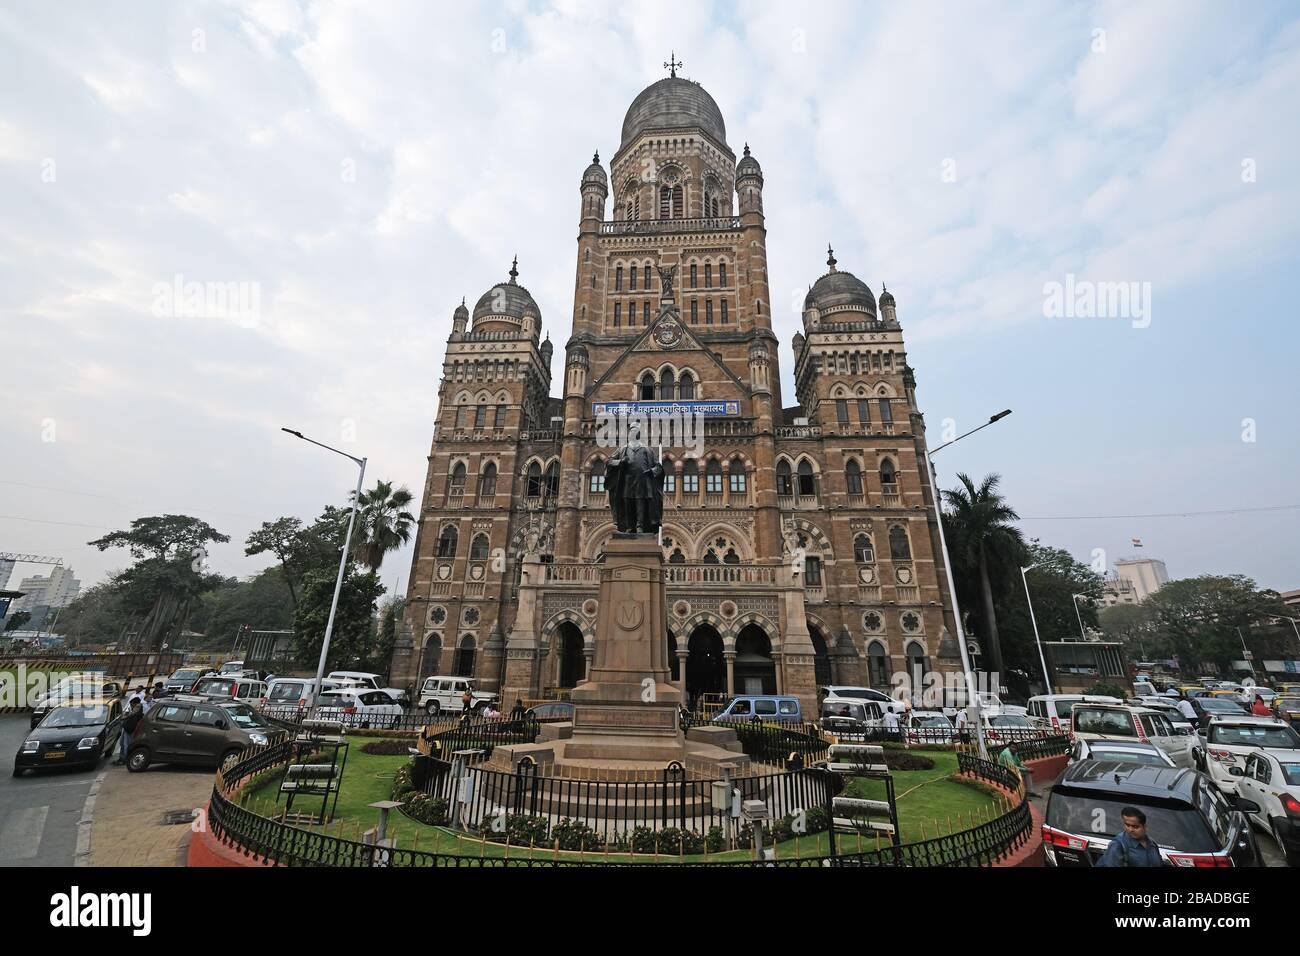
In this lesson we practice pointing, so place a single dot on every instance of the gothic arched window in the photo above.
(807, 483)
(553, 479)
(783, 483)
(665, 202)
(678, 206)
(458, 476)
(722, 272)
(690, 477)
(724, 311)
(632, 278)
(877, 665)
(694, 275)
(708, 275)
(888, 476)
(478, 548)
(618, 278)
(863, 553)
(686, 386)
(666, 383)
(853, 478)
(648, 386)
(899, 547)
(736, 473)
(487, 485)
(447, 542)
(533, 487)
(597, 484)
(713, 476)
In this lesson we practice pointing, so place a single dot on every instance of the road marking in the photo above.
(87, 822)
(22, 832)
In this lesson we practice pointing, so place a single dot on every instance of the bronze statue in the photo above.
(666, 279)
(634, 482)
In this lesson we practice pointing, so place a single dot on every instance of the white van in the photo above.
(367, 679)
(1052, 711)
(445, 693)
(293, 693)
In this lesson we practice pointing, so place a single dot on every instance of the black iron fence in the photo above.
(410, 721)
(1052, 745)
(477, 734)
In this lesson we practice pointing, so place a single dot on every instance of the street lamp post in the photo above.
(343, 562)
(1047, 681)
(972, 689)
(1083, 635)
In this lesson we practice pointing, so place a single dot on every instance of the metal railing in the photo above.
(639, 227)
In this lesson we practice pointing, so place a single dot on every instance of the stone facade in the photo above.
(801, 543)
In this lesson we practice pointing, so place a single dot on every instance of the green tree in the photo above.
(390, 615)
(98, 615)
(17, 619)
(383, 523)
(984, 544)
(1200, 616)
(301, 548)
(353, 642)
(168, 577)
(262, 601)
(1133, 625)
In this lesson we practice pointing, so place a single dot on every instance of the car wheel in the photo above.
(138, 760)
(229, 757)
(1292, 857)
(19, 771)
(432, 708)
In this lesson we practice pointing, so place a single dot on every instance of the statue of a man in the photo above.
(637, 500)
(666, 279)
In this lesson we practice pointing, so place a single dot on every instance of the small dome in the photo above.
(837, 290)
(595, 173)
(671, 103)
(748, 166)
(461, 312)
(886, 297)
(547, 347)
(506, 299)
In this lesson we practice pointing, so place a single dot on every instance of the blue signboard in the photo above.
(716, 409)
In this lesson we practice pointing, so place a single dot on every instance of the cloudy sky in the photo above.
(361, 167)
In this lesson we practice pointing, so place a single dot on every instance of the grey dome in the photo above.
(837, 290)
(595, 173)
(886, 297)
(671, 103)
(507, 299)
(461, 312)
(748, 166)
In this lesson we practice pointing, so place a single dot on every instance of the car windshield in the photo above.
(1099, 815)
(1287, 703)
(1146, 757)
(93, 715)
(1219, 703)
(930, 720)
(334, 700)
(245, 716)
(1009, 720)
(187, 673)
(215, 685)
(293, 692)
(856, 711)
(1254, 735)
(1108, 723)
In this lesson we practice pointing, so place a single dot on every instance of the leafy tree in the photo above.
(1134, 626)
(389, 617)
(1200, 616)
(262, 601)
(168, 577)
(301, 548)
(17, 619)
(353, 642)
(383, 523)
(984, 544)
(98, 615)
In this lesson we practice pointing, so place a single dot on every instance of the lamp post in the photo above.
(1083, 635)
(972, 690)
(1047, 681)
(343, 562)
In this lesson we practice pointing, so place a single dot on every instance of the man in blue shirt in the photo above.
(1132, 846)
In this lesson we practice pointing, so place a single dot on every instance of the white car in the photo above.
(1182, 723)
(1051, 712)
(367, 679)
(1271, 781)
(359, 707)
(928, 727)
(293, 693)
(446, 693)
(1002, 728)
(1228, 741)
(840, 691)
(1121, 722)
(1121, 751)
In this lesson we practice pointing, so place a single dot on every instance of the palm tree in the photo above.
(982, 520)
(383, 523)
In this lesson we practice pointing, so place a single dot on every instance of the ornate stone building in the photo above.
(801, 543)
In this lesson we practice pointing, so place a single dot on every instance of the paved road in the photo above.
(39, 814)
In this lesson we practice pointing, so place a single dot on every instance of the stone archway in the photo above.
(464, 663)
(823, 672)
(430, 659)
(706, 668)
(755, 671)
(571, 662)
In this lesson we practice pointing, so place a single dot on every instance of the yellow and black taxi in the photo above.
(80, 733)
(1287, 706)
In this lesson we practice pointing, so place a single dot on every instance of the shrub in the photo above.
(386, 748)
(1107, 690)
(575, 835)
(907, 760)
(425, 809)
(402, 782)
(713, 840)
(521, 830)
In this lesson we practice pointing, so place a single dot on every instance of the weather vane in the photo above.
(672, 64)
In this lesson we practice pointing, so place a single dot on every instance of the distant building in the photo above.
(1135, 580)
(55, 590)
(1290, 598)
(6, 569)
(1076, 666)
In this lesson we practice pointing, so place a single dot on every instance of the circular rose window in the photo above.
(871, 621)
(911, 622)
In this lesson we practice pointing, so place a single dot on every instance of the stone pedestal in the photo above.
(628, 709)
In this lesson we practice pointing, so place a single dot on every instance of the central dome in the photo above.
(671, 103)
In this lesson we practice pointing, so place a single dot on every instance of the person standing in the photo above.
(1186, 709)
(961, 725)
(1132, 846)
(129, 724)
(466, 700)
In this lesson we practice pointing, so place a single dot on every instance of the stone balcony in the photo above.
(653, 227)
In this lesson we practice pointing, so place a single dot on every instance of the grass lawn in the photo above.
(929, 804)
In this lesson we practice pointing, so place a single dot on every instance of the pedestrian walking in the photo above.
(466, 700)
(1132, 846)
(961, 725)
(129, 724)
(518, 712)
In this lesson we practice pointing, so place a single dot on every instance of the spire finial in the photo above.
(595, 158)
(746, 149)
(672, 64)
(514, 270)
(830, 257)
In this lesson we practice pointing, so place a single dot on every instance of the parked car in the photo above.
(373, 681)
(1207, 707)
(76, 689)
(1122, 722)
(231, 688)
(1271, 781)
(1187, 817)
(445, 693)
(359, 707)
(1229, 740)
(1121, 751)
(928, 727)
(183, 679)
(551, 711)
(863, 693)
(189, 729)
(80, 733)
(760, 707)
(844, 715)
(232, 667)
(1143, 688)
(1002, 728)
(1052, 711)
(292, 693)
(1167, 707)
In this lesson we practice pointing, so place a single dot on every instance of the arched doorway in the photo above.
(917, 666)
(755, 670)
(674, 667)
(464, 664)
(431, 659)
(821, 658)
(706, 669)
(569, 643)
